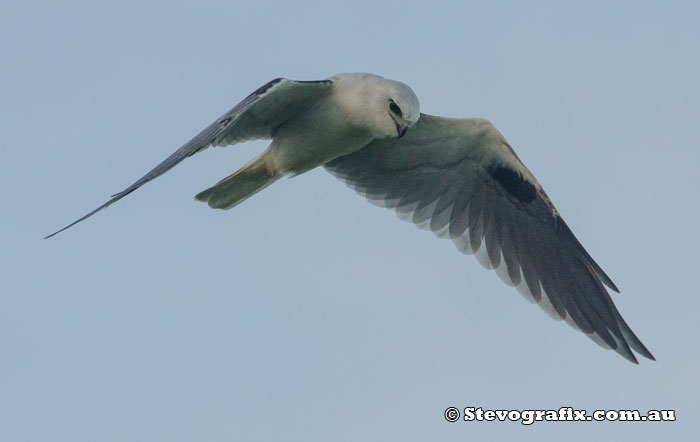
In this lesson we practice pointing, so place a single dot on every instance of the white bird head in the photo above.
(387, 107)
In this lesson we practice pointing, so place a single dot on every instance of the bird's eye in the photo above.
(395, 108)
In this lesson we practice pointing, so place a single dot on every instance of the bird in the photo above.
(457, 177)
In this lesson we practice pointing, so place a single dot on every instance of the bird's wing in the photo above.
(461, 179)
(257, 116)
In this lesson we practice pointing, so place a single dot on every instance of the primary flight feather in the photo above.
(456, 177)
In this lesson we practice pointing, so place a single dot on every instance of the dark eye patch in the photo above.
(395, 108)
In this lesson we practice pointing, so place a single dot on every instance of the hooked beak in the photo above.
(400, 128)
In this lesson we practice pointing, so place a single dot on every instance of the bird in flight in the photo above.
(458, 178)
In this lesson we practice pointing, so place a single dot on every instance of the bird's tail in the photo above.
(241, 185)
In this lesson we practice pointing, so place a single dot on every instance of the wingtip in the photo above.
(59, 231)
(631, 342)
(633, 359)
(645, 352)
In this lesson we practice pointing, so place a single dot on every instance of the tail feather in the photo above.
(239, 186)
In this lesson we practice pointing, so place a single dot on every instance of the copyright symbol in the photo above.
(451, 414)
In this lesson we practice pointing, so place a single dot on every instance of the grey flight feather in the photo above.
(461, 179)
(256, 117)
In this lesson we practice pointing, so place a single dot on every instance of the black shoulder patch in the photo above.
(513, 182)
(314, 81)
(265, 87)
(262, 89)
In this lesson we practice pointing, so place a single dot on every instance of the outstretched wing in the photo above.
(256, 117)
(461, 179)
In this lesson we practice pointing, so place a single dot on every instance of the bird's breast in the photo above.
(313, 139)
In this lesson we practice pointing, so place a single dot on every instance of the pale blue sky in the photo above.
(307, 313)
